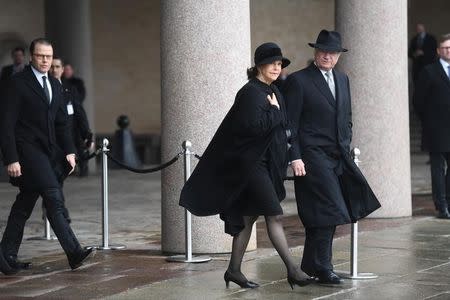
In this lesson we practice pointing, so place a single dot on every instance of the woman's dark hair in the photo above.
(252, 72)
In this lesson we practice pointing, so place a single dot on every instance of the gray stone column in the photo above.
(68, 26)
(375, 33)
(205, 50)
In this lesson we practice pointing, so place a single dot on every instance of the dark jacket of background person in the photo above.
(31, 129)
(321, 134)
(78, 84)
(428, 47)
(432, 104)
(78, 121)
(252, 128)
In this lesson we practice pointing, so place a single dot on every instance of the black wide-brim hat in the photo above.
(328, 41)
(267, 53)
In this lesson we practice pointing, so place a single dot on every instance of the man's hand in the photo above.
(298, 167)
(14, 169)
(71, 159)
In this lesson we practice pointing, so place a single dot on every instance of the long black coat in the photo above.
(333, 191)
(34, 133)
(432, 103)
(251, 128)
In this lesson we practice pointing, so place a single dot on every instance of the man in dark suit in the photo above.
(329, 188)
(70, 79)
(79, 124)
(432, 103)
(422, 50)
(18, 57)
(33, 127)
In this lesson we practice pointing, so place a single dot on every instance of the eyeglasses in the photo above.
(444, 48)
(42, 56)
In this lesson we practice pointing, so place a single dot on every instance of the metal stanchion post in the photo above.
(47, 230)
(354, 239)
(105, 209)
(188, 220)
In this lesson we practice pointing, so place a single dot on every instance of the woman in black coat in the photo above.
(240, 175)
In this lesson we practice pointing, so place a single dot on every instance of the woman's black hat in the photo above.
(328, 41)
(268, 53)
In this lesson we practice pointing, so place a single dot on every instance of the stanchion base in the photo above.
(111, 247)
(358, 276)
(42, 238)
(194, 259)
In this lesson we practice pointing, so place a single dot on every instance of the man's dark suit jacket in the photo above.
(33, 131)
(321, 134)
(432, 103)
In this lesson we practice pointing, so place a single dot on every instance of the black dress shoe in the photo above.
(228, 276)
(17, 264)
(329, 277)
(77, 262)
(5, 268)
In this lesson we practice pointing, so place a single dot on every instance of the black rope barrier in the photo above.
(143, 171)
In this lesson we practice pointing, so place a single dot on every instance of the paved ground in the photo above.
(410, 255)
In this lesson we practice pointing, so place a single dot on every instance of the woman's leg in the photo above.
(240, 242)
(278, 239)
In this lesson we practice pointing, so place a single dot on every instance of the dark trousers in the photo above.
(317, 253)
(440, 179)
(21, 212)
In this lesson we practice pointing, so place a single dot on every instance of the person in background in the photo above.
(81, 132)
(69, 78)
(422, 50)
(432, 103)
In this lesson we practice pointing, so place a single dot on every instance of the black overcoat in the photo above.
(334, 191)
(252, 128)
(34, 132)
(432, 103)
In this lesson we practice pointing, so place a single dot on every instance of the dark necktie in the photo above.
(448, 71)
(46, 91)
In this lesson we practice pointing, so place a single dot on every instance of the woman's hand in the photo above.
(273, 100)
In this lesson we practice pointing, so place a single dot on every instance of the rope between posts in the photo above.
(143, 171)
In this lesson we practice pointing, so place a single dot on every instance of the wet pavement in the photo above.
(411, 256)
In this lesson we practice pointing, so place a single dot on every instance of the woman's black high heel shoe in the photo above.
(243, 284)
(302, 282)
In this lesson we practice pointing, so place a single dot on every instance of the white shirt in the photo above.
(41, 81)
(445, 66)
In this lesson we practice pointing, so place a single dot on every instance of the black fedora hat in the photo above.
(328, 41)
(268, 53)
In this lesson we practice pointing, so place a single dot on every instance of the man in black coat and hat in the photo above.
(329, 188)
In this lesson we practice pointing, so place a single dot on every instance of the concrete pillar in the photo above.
(205, 50)
(68, 26)
(375, 32)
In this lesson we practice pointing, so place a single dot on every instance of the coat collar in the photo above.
(322, 85)
(32, 81)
